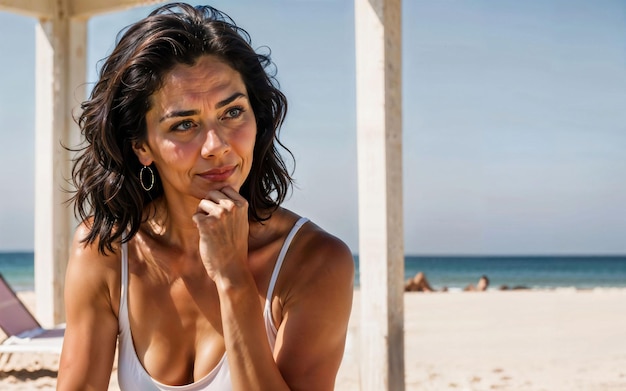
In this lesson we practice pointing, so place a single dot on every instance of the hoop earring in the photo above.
(146, 188)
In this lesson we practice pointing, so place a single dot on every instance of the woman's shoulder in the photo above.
(92, 279)
(318, 267)
(83, 249)
(319, 242)
(87, 263)
(321, 252)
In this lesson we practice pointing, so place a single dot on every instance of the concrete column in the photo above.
(379, 139)
(60, 74)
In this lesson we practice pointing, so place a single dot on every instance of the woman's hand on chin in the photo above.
(222, 221)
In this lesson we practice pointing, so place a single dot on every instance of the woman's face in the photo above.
(200, 129)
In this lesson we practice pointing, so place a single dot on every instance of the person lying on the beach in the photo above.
(481, 285)
(419, 283)
(184, 255)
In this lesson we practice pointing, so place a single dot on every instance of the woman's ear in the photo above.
(142, 150)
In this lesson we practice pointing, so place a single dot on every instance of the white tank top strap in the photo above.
(270, 327)
(281, 258)
(124, 266)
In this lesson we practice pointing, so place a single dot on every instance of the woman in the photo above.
(184, 254)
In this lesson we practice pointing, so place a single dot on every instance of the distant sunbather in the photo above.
(419, 283)
(481, 285)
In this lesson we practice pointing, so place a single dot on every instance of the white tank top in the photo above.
(131, 374)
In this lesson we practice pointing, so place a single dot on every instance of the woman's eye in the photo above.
(183, 126)
(233, 112)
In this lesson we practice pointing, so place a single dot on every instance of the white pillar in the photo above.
(379, 140)
(60, 75)
(61, 46)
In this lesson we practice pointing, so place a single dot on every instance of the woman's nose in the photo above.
(214, 145)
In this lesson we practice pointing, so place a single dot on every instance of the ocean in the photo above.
(532, 272)
(453, 272)
(18, 269)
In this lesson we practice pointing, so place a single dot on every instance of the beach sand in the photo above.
(558, 340)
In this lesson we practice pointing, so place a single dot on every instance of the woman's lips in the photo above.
(219, 174)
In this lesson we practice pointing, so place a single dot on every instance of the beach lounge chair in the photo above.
(24, 333)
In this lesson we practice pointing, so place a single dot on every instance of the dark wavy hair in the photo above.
(106, 171)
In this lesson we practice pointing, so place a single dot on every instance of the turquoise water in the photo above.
(538, 272)
(18, 270)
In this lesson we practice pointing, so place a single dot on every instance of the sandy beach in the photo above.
(557, 340)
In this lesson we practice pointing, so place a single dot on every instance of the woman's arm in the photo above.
(312, 334)
(91, 332)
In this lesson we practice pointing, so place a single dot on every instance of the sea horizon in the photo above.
(452, 272)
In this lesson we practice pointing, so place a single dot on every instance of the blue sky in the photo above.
(514, 126)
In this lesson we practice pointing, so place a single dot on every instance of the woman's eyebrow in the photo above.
(230, 99)
(188, 113)
(180, 113)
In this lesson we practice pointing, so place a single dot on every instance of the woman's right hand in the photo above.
(222, 221)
